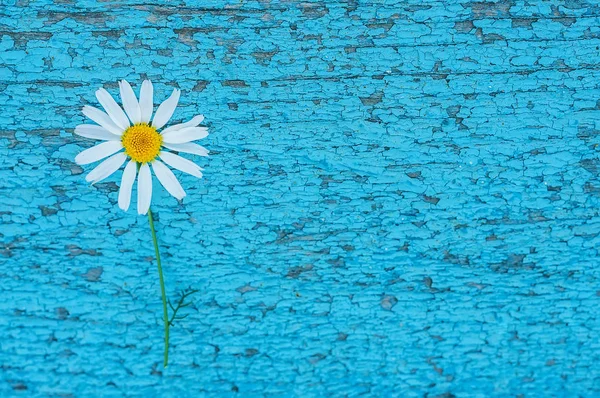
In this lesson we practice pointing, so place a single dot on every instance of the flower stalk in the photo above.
(162, 288)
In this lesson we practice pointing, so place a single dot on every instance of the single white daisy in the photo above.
(132, 135)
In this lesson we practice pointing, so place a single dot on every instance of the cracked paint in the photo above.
(402, 196)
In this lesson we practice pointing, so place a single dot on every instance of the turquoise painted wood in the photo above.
(401, 200)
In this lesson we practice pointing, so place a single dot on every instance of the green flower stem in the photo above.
(162, 288)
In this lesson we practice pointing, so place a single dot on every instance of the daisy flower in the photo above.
(134, 136)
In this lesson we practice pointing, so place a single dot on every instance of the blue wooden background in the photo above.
(402, 200)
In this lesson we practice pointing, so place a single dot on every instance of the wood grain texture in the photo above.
(401, 200)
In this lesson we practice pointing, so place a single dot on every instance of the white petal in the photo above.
(106, 168)
(166, 109)
(146, 101)
(112, 108)
(126, 184)
(95, 132)
(196, 120)
(130, 102)
(187, 134)
(188, 147)
(179, 163)
(98, 152)
(102, 119)
(168, 179)
(144, 189)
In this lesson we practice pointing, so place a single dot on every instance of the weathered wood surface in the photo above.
(402, 200)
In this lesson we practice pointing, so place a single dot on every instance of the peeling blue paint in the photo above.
(402, 200)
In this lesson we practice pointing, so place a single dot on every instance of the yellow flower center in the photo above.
(141, 142)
